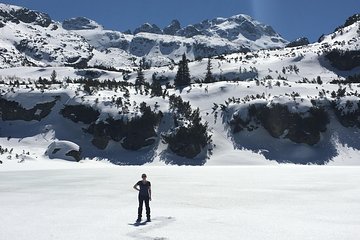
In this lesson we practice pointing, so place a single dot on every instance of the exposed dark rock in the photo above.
(5, 16)
(115, 40)
(64, 150)
(172, 28)
(135, 134)
(89, 74)
(280, 122)
(36, 52)
(148, 28)
(101, 142)
(79, 23)
(141, 46)
(12, 111)
(348, 118)
(189, 31)
(321, 38)
(75, 154)
(344, 60)
(25, 15)
(138, 140)
(303, 41)
(78, 62)
(169, 47)
(80, 113)
(351, 20)
(29, 16)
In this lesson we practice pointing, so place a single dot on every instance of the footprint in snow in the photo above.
(156, 223)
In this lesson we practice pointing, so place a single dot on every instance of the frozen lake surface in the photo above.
(265, 202)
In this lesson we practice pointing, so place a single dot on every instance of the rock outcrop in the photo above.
(148, 28)
(282, 123)
(17, 14)
(79, 23)
(303, 41)
(12, 111)
(344, 60)
(172, 28)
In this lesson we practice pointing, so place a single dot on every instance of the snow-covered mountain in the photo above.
(214, 37)
(298, 104)
(31, 38)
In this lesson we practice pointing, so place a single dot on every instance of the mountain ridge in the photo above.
(29, 32)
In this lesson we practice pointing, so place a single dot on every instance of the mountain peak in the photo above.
(80, 23)
(148, 28)
(350, 21)
(172, 28)
(236, 27)
(19, 14)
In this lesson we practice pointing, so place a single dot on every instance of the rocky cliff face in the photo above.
(31, 38)
(280, 122)
(17, 14)
(303, 41)
(79, 23)
(149, 28)
(172, 28)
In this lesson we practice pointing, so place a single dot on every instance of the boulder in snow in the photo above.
(64, 150)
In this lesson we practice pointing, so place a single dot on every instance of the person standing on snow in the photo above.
(144, 196)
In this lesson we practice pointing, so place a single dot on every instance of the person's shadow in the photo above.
(138, 224)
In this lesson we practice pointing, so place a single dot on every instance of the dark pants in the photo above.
(143, 199)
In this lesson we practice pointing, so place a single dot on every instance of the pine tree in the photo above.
(140, 79)
(156, 89)
(53, 76)
(183, 75)
(209, 78)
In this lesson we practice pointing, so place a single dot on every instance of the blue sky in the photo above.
(290, 18)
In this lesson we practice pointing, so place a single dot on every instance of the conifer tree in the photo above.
(140, 79)
(183, 75)
(156, 89)
(209, 78)
(53, 76)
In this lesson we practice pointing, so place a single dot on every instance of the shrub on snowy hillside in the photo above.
(303, 126)
(344, 60)
(80, 113)
(11, 111)
(189, 135)
(347, 110)
(133, 134)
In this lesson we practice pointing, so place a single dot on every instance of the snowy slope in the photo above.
(297, 78)
(25, 42)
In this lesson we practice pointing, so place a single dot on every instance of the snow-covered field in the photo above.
(278, 202)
